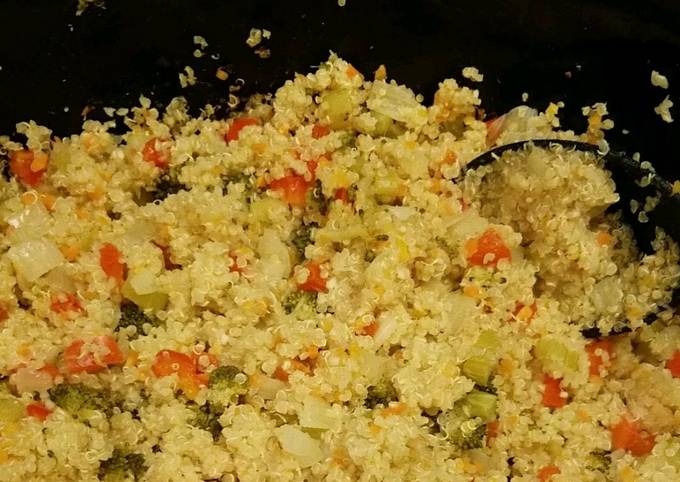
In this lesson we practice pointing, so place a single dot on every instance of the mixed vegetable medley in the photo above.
(308, 290)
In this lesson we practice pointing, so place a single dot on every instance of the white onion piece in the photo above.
(29, 224)
(32, 259)
(396, 102)
(274, 254)
(318, 414)
(297, 443)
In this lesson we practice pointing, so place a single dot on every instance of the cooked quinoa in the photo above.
(310, 290)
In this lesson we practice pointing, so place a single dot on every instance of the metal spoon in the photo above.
(626, 174)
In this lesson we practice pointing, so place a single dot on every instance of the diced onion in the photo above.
(396, 102)
(317, 414)
(297, 443)
(32, 259)
(274, 255)
(29, 224)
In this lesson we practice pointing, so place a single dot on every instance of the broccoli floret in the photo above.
(598, 460)
(300, 300)
(166, 185)
(316, 199)
(462, 431)
(132, 315)
(380, 394)
(79, 400)
(225, 385)
(208, 418)
(250, 189)
(122, 466)
(302, 238)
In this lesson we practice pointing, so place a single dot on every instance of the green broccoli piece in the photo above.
(225, 385)
(166, 185)
(133, 315)
(208, 418)
(463, 431)
(250, 189)
(122, 466)
(598, 460)
(316, 199)
(300, 300)
(79, 400)
(380, 394)
(302, 238)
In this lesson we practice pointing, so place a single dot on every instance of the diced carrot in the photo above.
(396, 409)
(109, 260)
(38, 410)
(341, 194)
(281, 374)
(105, 353)
(487, 250)
(315, 282)
(154, 153)
(319, 131)
(4, 312)
(293, 189)
(312, 352)
(547, 472)
(604, 238)
(596, 360)
(351, 71)
(525, 313)
(491, 431)
(311, 167)
(627, 435)
(551, 392)
(28, 166)
(370, 330)
(673, 364)
(237, 125)
(235, 268)
(48, 200)
(65, 303)
(50, 369)
(169, 362)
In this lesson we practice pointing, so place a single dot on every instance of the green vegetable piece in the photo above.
(11, 410)
(599, 460)
(150, 301)
(555, 356)
(166, 185)
(488, 341)
(336, 107)
(461, 430)
(225, 385)
(122, 466)
(478, 369)
(79, 400)
(208, 418)
(302, 238)
(383, 124)
(482, 405)
(380, 394)
(300, 301)
(132, 315)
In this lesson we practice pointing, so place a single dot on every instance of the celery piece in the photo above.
(336, 107)
(151, 301)
(488, 340)
(555, 356)
(481, 404)
(11, 411)
(382, 124)
(478, 369)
